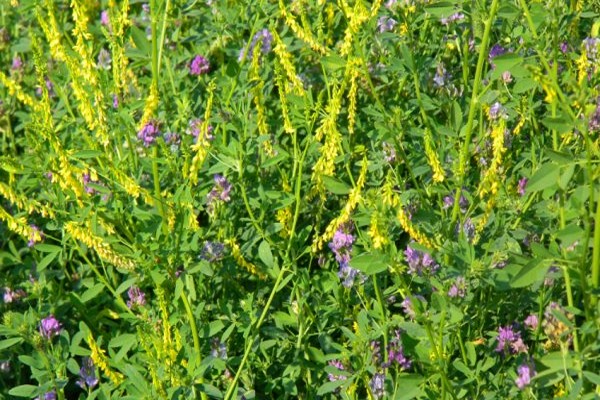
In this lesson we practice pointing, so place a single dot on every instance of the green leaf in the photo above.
(265, 254)
(85, 154)
(47, 248)
(410, 387)
(46, 261)
(24, 391)
(369, 263)
(560, 124)
(533, 272)
(556, 361)
(329, 387)
(5, 344)
(545, 177)
(592, 377)
(333, 62)
(92, 292)
(335, 186)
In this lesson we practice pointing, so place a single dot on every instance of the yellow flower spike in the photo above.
(236, 252)
(285, 59)
(357, 16)
(103, 249)
(432, 158)
(352, 93)
(200, 148)
(303, 34)
(354, 198)
(99, 357)
(377, 238)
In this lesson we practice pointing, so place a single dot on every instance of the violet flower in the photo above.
(510, 341)
(526, 371)
(212, 251)
(396, 353)
(265, 38)
(137, 298)
(336, 364)
(377, 385)
(199, 66)
(420, 262)
(148, 133)
(341, 246)
(531, 322)
(104, 59)
(458, 288)
(87, 374)
(521, 186)
(50, 327)
(386, 24)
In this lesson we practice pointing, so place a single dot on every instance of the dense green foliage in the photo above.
(299, 199)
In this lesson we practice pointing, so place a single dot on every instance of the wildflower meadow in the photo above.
(299, 199)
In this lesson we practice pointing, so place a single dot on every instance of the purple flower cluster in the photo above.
(441, 76)
(341, 245)
(12, 295)
(104, 59)
(495, 51)
(219, 192)
(105, 18)
(218, 349)
(87, 374)
(467, 228)
(526, 371)
(521, 187)
(194, 127)
(408, 307)
(458, 288)
(173, 140)
(594, 123)
(50, 327)
(386, 24)
(137, 298)
(509, 341)
(463, 203)
(148, 133)
(453, 18)
(532, 322)
(389, 152)
(420, 262)
(32, 239)
(497, 111)
(396, 353)
(377, 385)
(51, 395)
(199, 66)
(336, 364)
(212, 251)
(17, 64)
(265, 39)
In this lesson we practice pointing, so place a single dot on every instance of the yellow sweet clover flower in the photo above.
(99, 357)
(236, 252)
(378, 238)
(432, 158)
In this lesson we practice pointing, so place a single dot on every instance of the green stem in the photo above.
(596, 255)
(256, 328)
(162, 34)
(463, 157)
(383, 316)
(194, 328)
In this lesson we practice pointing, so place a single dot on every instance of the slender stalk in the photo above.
(383, 317)
(464, 153)
(596, 253)
(250, 342)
